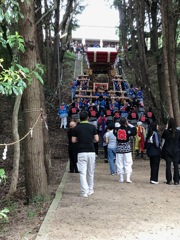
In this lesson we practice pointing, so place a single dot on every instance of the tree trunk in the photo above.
(16, 159)
(35, 173)
(54, 67)
(48, 47)
(154, 33)
(140, 13)
(172, 60)
(165, 33)
(134, 63)
(160, 76)
(121, 6)
(38, 15)
(47, 150)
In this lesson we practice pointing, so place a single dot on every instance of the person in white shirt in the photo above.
(111, 147)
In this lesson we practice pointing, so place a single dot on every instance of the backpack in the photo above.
(149, 114)
(74, 110)
(133, 115)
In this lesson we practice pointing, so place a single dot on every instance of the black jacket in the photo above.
(153, 145)
(171, 147)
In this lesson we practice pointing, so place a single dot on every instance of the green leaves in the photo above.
(15, 79)
(38, 76)
(9, 11)
(38, 72)
(2, 175)
(16, 42)
(23, 69)
(3, 214)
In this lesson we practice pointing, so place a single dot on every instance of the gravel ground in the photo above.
(125, 211)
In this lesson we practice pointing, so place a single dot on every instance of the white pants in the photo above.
(86, 166)
(79, 56)
(63, 122)
(124, 163)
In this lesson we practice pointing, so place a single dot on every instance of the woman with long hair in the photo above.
(171, 151)
(153, 151)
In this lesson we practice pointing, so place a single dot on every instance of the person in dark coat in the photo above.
(153, 151)
(72, 149)
(171, 151)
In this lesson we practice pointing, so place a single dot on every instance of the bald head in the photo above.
(72, 124)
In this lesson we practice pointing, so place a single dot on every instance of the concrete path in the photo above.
(116, 211)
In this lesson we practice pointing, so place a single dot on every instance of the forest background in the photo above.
(33, 78)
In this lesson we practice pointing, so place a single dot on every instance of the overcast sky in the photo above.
(98, 20)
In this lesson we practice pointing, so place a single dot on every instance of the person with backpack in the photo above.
(153, 151)
(123, 149)
(150, 116)
(171, 151)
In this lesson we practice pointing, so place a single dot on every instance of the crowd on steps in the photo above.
(112, 123)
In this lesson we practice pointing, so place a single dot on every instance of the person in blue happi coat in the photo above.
(63, 114)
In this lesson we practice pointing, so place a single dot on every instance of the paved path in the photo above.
(116, 211)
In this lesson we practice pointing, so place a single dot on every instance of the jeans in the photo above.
(86, 166)
(111, 157)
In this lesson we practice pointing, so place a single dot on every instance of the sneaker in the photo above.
(84, 195)
(128, 181)
(169, 183)
(154, 182)
(121, 181)
(90, 192)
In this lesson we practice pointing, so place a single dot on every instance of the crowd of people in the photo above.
(83, 136)
(111, 124)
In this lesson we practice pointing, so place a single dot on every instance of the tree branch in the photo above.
(46, 13)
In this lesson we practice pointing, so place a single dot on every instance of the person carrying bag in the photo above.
(171, 151)
(153, 151)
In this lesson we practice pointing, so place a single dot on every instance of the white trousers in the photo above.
(124, 163)
(63, 122)
(86, 167)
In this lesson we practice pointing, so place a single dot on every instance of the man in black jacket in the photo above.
(72, 149)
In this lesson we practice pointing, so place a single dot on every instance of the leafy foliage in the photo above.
(2, 175)
(13, 80)
(3, 214)
(9, 11)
